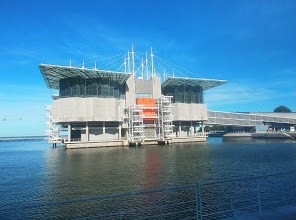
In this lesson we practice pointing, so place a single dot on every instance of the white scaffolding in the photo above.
(134, 121)
(52, 129)
(165, 118)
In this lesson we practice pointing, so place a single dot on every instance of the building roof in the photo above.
(204, 83)
(52, 74)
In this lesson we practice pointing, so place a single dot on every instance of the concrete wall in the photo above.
(144, 86)
(190, 112)
(156, 90)
(141, 86)
(149, 86)
(86, 109)
(130, 94)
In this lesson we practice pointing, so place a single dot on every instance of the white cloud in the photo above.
(235, 94)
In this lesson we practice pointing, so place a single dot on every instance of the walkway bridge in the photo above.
(245, 119)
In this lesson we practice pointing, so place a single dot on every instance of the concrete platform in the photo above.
(79, 144)
(189, 139)
(276, 135)
(124, 143)
(237, 136)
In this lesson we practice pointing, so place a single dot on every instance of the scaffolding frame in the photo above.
(52, 129)
(165, 118)
(135, 124)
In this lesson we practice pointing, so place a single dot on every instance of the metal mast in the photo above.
(133, 59)
(128, 62)
(152, 63)
(146, 66)
(142, 65)
(125, 63)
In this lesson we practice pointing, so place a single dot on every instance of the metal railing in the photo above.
(203, 201)
(242, 119)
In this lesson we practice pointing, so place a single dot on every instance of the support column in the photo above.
(119, 131)
(104, 130)
(202, 129)
(179, 129)
(87, 132)
(155, 132)
(191, 129)
(69, 132)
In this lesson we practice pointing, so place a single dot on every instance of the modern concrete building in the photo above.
(108, 108)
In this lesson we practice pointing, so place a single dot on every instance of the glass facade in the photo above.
(96, 87)
(184, 93)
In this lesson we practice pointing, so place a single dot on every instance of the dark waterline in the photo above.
(33, 172)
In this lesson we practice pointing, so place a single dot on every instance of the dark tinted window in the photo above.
(184, 93)
(78, 87)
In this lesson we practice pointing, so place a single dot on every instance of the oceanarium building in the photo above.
(111, 108)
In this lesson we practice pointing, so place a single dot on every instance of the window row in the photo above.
(184, 94)
(78, 87)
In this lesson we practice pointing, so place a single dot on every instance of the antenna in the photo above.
(133, 59)
(146, 67)
(173, 73)
(83, 64)
(142, 65)
(128, 62)
(95, 64)
(70, 62)
(152, 63)
(125, 63)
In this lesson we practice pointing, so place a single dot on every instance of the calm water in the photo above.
(33, 172)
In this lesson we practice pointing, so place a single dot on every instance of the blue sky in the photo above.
(251, 44)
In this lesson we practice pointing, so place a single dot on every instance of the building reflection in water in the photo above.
(82, 173)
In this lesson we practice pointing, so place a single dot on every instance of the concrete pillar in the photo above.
(191, 129)
(69, 132)
(179, 135)
(87, 132)
(202, 129)
(104, 130)
(119, 131)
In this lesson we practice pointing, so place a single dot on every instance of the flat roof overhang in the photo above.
(204, 83)
(52, 74)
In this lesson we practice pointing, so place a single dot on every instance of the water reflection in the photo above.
(82, 173)
(33, 172)
(87, 172)
(152, 170)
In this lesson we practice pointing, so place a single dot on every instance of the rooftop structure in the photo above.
(53, 74)
(205, 84)
(128, 106)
